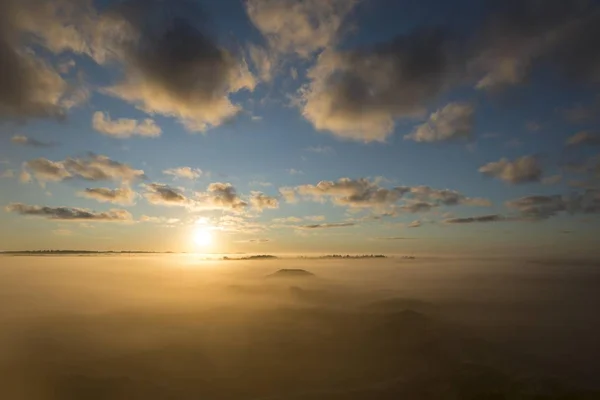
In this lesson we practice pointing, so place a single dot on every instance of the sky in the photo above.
(265, 126)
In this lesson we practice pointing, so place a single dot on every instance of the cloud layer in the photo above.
(93, 167)
(69, 213)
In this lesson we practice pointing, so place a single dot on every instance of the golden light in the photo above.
(203, 236)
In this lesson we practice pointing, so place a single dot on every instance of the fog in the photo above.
(182, 327)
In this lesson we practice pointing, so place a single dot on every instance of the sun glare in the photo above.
(202, 237)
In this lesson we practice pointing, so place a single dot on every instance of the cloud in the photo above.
(221, 196)
(524, 35)
(522, 170)
(69, 214)
(395, 238)
(124, 127)
(354, 193)
(123, 196)
(287, 220)
(46, 170)
(7, 173)
(447, 197)
(363, 193)
(320, 149)
(175, 69)
(415, 224)
(533, 126)
(293, 171)
(260, 183)
(326, 226)
(263, 62)
(315, 218)
(469, 220)
(93, 167)
(184, 172)
(358, 94)
(579, 114)
(584, 138)
(27, 141)
(159, 220)
(260, 201)
(237, 224)
(453, 122)
(289, 194)
(254, 241)
(538, 207)
(165, 195)
(300, 27)
(417, 206)
(29, 87)
(589, 166)
(552, 180)
(62, 232)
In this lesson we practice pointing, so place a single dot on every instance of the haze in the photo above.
(178, 326)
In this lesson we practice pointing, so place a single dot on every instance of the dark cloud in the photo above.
(521, 35)
(69, 214)
(93, 167)
(124, 195)
(584, 138)
(29, 87)
(538, 207)
(325, 226)
(417, 206)
(357, 94)
(469, 220)
(522, 170)
(166, 195)
(27, 141)
(172, 67)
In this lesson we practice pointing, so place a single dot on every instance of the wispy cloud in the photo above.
(326, 226)
(123, 196)
(69, 213)
(27, 141)
(184, 172)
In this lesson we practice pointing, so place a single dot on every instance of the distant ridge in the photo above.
(291, 273)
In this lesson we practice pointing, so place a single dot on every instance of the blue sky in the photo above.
(300, 126)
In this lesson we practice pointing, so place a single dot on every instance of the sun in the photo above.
(202, 237)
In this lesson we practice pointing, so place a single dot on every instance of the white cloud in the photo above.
(184, 172)
(261, 201)
(124, 127)
(301, 27)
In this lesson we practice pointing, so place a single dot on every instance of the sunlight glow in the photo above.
(202, 237)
